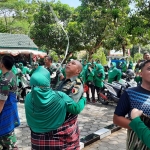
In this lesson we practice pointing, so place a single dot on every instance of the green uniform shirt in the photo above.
(25, 70)
(89, 74)
(99, 76)
(14, 69)
(124, 67)
(130, 66)
(82, 74)
(114, 73)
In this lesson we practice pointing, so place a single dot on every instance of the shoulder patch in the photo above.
(78, 81)
(77, 86)
(75, 90)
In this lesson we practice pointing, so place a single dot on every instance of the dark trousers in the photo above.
(91, 86)
(98, 89)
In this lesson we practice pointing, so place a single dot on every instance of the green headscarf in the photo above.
(93, 65)
(21, 65)
(124, 66)
(45, 109)
(89, 64)
(24, 70)
(113, 72)
(130, 66)
(99, 76)
(14, 69)
(84, 62)
(88, 74)
(99, 67)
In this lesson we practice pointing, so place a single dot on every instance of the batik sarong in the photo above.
(65, 137)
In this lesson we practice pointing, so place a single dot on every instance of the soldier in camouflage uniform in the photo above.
(9, 118)
(53, 69)
(72, 86)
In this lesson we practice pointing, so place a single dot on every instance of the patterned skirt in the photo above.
(65, 137)
(133, 142)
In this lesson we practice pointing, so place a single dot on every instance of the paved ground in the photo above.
(115, 141)
(92, 118)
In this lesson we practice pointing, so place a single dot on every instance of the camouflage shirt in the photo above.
(8, 83)
(73, 87)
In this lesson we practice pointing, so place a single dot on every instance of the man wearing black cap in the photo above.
(9, 118)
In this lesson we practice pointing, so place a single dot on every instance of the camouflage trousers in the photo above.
(8, 142)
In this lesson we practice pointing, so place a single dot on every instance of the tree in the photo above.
(103, 59)
(54, 56)
(99, 19)
(17, 16)
(2, 27)
(119, 37)
(100, 55)
(137, 56)
(139, 49)
(49, 34)
(140, 22)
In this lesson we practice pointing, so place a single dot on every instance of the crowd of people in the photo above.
(53, 105)
(51, 114)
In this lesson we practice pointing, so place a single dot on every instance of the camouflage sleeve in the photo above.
(8, 84)
(53, 68)
(4, 89)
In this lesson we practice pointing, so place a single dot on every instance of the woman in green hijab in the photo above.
(99, 78)
(89, 81)
(114, 74)
(46, 111)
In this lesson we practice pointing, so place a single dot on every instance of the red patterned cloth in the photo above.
(86, 88)
(65, 137)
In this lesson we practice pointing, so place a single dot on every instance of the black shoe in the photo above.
(88, 100)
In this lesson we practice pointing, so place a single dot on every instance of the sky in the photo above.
(76, 3)
(72, 3)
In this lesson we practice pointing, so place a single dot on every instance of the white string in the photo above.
(60, 24)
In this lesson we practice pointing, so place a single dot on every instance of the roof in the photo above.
(15, 52)
(16, 41)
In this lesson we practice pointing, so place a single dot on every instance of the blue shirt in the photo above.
(136, 97)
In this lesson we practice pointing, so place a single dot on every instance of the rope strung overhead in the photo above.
(61, 25)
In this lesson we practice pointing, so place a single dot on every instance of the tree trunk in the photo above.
(6, 23)
(90, 55)
(124, 50)
(94, 50)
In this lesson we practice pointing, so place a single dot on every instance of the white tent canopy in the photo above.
(22, 51)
